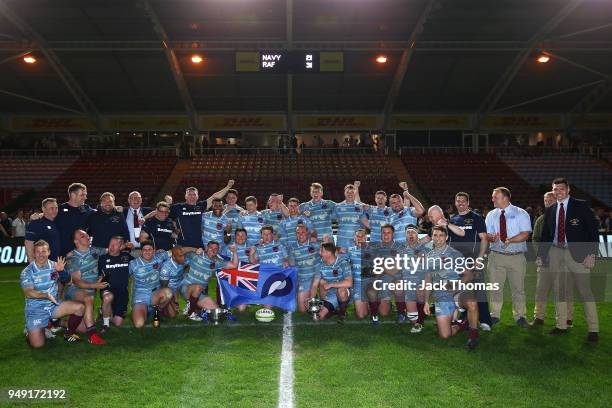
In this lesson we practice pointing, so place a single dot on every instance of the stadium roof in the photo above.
(443, 56)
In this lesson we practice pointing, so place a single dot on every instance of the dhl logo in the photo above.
(56, 123)
(243, 122)
(337, 121)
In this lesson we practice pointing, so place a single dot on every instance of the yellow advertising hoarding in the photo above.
(337, 122)
(50, 124)
(243, 122)
(425, 122)
(247, 61)
(522, 122)
(594, 121)
(129, 123)
(331, 61)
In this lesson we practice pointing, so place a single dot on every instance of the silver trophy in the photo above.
(214, 316)
(314, 307)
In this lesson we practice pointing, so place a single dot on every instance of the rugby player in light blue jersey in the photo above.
(275, 213)
(319, 211)
(405, 212)
(304, 254)
(146, 291)
(351, 216)
(355, 254)
(251, 221)
(231, 210)
(215, 224)
(288, 225)
(82, 265)
(39, 284)
(171, 276)
(240, 242)
(203, 265)
(334, 282)
(269, 252)
(442, 271)
(379, 215)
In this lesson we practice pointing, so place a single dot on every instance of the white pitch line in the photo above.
(255, 324)
(10, 281)
(285, 382)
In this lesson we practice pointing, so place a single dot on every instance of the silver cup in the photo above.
(314, 307)
(214, 316)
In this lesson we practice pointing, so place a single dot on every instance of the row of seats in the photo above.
(588, 174)
(120, 176)
(440, 176)
(31, 173)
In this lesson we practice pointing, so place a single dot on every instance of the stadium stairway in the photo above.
(173, 181)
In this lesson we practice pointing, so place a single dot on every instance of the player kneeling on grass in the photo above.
(82, 264)
(202, 267)
(334, 282)
(39, 281)
(147, 293)
(171, 276)
(305, 256)
(443, 277)
(114, 268)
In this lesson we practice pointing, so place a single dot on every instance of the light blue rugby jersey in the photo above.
(85, 262)
(306, 258)
(43, 279)
(213, 228)
(349, 217)
(252, 223)
(378, 217)
(336, 272)
(400, 220)
(273, 253)
(320, 216)
(146, 274)
(287, 229)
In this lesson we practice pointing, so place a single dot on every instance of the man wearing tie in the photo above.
(569, 246)
(135, 217)
(508, 228)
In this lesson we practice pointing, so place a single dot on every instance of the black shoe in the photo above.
(557, 330)
(537, 322)
(570, 324)
(104, 329)
(494, 320)
(471, 344)
(522, 322)
(593, 337)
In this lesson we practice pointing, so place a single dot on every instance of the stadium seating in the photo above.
(590, 175)
(440, 176)
(260, 174)
(117, 175)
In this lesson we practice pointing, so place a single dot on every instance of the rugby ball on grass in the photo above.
(264, 315)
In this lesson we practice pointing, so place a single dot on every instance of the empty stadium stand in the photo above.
(18, 176)
(440, 176)
(260, 174)
(119, 175)
(590, 175)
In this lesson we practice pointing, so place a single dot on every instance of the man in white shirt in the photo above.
(508, 228)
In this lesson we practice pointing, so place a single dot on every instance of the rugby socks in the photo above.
(342, 308)
(91, 330)
(401, 308)
(373, 308)
(106, 321)
(73, 323)
(473, 334)
(193, 305)
(421, 311)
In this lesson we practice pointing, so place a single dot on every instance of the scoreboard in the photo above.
(282, 61)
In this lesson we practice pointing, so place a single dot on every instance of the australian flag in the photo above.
(258, 284)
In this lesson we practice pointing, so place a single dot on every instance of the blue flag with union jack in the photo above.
(258, 284)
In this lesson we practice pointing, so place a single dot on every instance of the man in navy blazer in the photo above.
(134, 216)
(569, 247)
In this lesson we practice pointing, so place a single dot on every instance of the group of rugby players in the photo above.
(76, 251)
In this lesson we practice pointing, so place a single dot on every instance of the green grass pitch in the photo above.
(184, 364)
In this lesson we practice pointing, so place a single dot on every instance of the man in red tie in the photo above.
(569, 247)
(508, 227)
